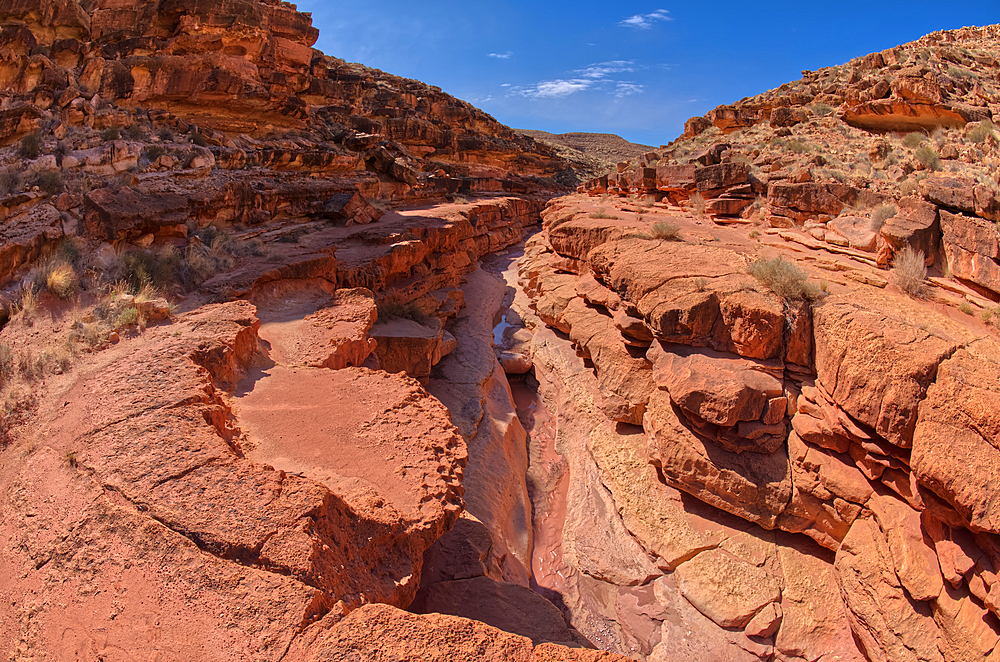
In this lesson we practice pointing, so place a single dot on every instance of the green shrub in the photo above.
(914, 139)
(909, 270)
(928, 157)
(600, 213)
(966, 308)
(111, 133)
(166, 134)
(783, 278)
(127, 317)
(667, 231)
(31, 146)
(6, 365)
(199, 139)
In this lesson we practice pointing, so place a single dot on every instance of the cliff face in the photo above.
(761, 339)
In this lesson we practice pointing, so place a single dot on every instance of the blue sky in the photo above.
(632, 68)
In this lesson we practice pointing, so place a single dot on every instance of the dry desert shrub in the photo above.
(782, 277)
(909, 270)
(698, 204)
(667, 231)
(880, 215)
(600, 213)
(928, 157)
(61, 280)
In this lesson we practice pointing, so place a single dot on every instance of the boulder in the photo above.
(956, 452)
(784, 116)
(404, 345)
(856, 231)
(888, 627)
(726, 589)
(754, 486)
(949, 191)
(876, 365)
(916, 226)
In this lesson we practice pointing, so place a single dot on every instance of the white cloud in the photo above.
(501, 56)
(504, 84)
(627, 89)
(605, 69)
(645, 21)
(599, 76)
(553, 89)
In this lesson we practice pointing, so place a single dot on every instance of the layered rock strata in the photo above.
(839, 419)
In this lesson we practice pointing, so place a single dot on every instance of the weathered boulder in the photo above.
(915, 225)
(876, 365)
(728, 590)
(949, 191)
(955, 445)
(888, 626)
(753, 486)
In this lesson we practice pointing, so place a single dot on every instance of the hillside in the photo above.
(591, 154)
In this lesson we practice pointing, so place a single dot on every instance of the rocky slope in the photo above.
(591, 154)
(787, 422)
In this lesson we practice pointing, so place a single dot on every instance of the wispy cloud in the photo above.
(593, 76)
(605, 69)
(627, 89)
(504, 84)
(553, 89)
(645, 21)
(501, 56)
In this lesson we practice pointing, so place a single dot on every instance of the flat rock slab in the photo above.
(728, 590)
(357, 431)
(317, 330)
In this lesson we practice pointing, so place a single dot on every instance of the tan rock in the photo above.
(725, 589)
(914, 558)
(955, 447)
(887, 625)
(814, 622)
(876, 365)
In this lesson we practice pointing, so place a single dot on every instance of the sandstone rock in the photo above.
(811, 198)
(727, 590)
(719, 391)
(916, 226)
(886, 624)
(787, 117)
(914, 558)
(753, 486)
(381, 633)
(332, 337)
(814, 621)
(689, 634)
(955, 450)
(895, 114)
(948, 191)
(851, 340)
(970, 233)
(856, 231)
(404, 345)
(661, 282)
(625, 378)
(508, 607)
(968, 632)
(720, 176)
(828, 494)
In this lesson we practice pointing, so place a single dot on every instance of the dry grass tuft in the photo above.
(61, 280)
(667, 231)
(909, 271)
(782, 277)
